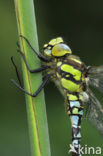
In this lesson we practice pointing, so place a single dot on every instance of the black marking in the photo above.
(75, 115)
(79, 108)
(47, 47)
(51, 46)
(76, 131)
(84, 86)
(65, 75)
(81, 67)
(76, 138)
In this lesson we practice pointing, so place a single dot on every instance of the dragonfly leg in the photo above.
(40, 56)
(16, 69)
(43, 67)
(45, 80)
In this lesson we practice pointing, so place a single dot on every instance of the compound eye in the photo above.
(61, 50)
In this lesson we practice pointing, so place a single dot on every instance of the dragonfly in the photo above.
(74, 79)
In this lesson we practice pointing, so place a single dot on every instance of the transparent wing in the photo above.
(96, 77)
(94, 111)
(96, 70)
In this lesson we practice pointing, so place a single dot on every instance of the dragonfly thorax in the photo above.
(70, 75)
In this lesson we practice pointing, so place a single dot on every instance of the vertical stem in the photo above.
(36, 111)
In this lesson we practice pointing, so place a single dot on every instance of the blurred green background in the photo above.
(80, 23)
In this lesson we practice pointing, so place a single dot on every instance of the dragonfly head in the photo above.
(56, 48)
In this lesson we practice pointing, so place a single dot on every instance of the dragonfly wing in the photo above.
(95, 112)
(97, 83)
(96, 70)
(96, 77)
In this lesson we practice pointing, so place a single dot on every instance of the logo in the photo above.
(86, 150)
(72, 149)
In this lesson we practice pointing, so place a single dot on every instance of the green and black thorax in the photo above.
(68, 71)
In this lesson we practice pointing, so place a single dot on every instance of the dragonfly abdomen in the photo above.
(75, 111)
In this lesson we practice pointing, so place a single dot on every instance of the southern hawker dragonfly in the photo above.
(73, 78)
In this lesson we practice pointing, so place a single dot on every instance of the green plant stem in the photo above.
(36, 111)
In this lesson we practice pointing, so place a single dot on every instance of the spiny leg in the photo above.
(18, 45)
(40, 56)
(17, 73)
(45, 80)
(43, 67)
